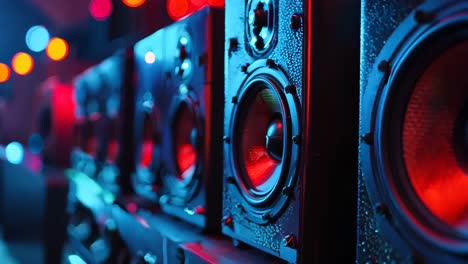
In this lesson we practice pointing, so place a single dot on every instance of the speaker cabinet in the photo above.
(413, 205)
(290, 121)
(104, 95)
(183, 80)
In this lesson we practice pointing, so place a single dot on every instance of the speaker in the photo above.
(413, 130)
(291, 103)
(180, 95)
(104, 95)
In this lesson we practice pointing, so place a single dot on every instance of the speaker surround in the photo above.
(412, 152)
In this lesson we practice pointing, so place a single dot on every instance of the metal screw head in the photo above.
(227, 220)
(234, 100)
(296, 21)
(230, 179)
(271, 63)
(368, 138)
(287, 191)
(266, 216)
(227, 139)
(245, 67)
(290, 89)
(296, 139)
(290, 241)
(383, 210)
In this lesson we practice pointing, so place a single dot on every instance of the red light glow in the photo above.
(100, 9)
(428, 146)
(186, 158)
(112, 150)
(178, 9)
(146, 153)
(259, 166)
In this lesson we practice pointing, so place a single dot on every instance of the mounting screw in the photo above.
(368, 138)
(296, 139)
(290, 241)
(423, 16)
(382, 210)
(384, 66)
(233, 45)
(234, 100)
(240, 207)
(266, 216)
(296, 21)
(227, 139)
(245, 67)
(230, 179)
(290, 89)
(271, 63)
(227, 220)
(287, 191)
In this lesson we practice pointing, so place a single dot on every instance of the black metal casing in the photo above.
(398, 37)
(200, 87)
(314, 72)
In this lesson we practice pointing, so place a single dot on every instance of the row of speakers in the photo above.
(250, 121)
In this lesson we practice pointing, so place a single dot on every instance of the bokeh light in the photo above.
(57, 49)
(22, 63)
(100, 9)
(14, 152)
(37, 38)
(133, 3)
(4, 73)
(177, 8)
(150, 58)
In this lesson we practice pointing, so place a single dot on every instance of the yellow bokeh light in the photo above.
(4, 73)
(133, 3)
(22, 63)
(57, 49)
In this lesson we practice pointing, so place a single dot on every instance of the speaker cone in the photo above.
(147, 146)
(261, 140)
(435, 137)
(185, 134)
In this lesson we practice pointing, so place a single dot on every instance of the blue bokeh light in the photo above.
(37, 38)
(14, 152)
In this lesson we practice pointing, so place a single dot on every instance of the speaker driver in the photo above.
(185, 143)
(264, 149)
(435, 134)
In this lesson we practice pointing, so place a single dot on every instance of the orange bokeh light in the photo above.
(133, 3)
(22, 63)
(57, 49)
(4, 73)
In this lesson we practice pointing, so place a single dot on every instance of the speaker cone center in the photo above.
(274, 139)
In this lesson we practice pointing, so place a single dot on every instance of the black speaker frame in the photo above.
(316, 224)
(420, 33)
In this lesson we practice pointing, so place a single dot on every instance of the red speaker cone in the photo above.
(262, 141)
(435, 137)
(184, 142)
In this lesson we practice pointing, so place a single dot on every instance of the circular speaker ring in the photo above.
(263, 155)
(415, 111)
